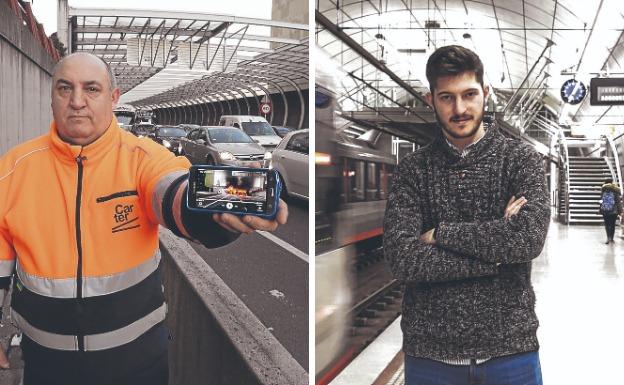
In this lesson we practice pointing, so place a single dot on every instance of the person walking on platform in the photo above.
(610, 207)
(80, 210)
(464, 219)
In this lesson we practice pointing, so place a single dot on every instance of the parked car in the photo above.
(290, 160)
(282, 131)
(188, 127)
(256, 127)
(169, 136)
(222, 145)
(143, 129)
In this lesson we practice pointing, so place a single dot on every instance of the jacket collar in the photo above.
(93, 151)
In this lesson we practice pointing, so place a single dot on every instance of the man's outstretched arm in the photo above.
(212, 230)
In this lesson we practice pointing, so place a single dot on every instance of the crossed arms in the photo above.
(463, 250)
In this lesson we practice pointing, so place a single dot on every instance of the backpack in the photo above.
(608, 203)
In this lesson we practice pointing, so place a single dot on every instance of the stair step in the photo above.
(583, 182)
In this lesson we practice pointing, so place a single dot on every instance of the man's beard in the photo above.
(456, 135)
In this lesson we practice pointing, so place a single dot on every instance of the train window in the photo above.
(387, 173)
(355, 173)
(390, 172)
(372, 181)
(321, 100)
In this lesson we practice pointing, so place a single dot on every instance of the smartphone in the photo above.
(235, 190)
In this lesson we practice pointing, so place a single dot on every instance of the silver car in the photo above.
(222, 145)
(290, 160)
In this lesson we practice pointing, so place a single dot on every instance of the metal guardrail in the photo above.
(216, 338)
(611, 144)
(565, 160)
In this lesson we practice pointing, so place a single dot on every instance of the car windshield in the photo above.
(171, 131)
(228, 136)
(124, 119)
(258, 128)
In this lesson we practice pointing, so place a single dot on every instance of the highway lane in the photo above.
(271, 280)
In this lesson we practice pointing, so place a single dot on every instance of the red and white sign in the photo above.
(265, 108)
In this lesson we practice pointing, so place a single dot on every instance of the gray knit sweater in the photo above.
(470, 295)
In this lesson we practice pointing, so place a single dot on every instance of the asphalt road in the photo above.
(270, 279)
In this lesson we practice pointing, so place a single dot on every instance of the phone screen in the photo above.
(232, 190)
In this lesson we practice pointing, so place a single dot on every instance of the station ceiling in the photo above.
(177, 57)
(512, 37)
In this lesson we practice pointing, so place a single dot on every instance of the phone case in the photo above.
(278, 189)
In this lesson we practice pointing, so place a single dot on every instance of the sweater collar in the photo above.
(466, 149)
(475, 150)
(69, 152)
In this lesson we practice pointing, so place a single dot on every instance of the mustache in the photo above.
(457, 118)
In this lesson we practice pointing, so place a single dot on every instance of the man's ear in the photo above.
(115, 95)
(429, 98)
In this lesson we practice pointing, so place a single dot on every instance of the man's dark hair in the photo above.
(453, 60)
(607, 181)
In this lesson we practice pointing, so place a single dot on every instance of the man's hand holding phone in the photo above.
(249, 223)
(240, 199)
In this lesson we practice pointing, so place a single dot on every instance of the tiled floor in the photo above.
(579, 284)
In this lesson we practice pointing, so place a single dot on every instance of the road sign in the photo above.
(265, 108)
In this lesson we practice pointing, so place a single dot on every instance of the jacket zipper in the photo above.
(80, 336)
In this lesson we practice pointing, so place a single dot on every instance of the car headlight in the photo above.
(166, 143)
(225, 155)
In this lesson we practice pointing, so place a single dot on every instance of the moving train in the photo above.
(353, 179)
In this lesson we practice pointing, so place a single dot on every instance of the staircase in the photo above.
(587, 174)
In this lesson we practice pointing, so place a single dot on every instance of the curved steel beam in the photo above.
(300, 94)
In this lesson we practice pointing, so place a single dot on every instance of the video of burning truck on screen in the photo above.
(231, 186)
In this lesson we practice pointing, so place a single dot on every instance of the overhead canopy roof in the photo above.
(152, 52)
(285, 69)
(510, 36)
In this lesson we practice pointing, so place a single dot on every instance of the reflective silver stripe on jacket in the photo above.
(92, 342)
(6, 267)
(159, 193)
(91, 286)
(43, 338)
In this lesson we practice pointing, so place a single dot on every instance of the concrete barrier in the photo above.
(25, 81)
(216, 338)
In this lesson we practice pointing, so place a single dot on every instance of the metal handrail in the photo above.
(566, 165)
(615, 156)
(549, 43)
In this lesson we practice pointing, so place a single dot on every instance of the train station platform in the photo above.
(578, 281)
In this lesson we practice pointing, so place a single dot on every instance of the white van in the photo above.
(255, 126)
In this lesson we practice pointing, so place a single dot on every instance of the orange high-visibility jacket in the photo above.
(79, 225)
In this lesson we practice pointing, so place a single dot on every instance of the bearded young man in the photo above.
(465, 217)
